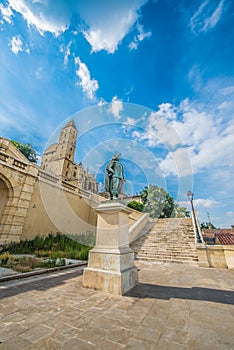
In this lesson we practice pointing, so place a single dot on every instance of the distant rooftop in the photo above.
(219, 236)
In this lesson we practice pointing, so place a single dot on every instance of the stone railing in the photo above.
(136, 230)
(19, 164)
(11, 161)
(94, 198)
(219, 256)
(3, 156)
(69, 186)
(47, 176)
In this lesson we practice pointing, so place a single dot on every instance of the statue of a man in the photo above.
(114, 177)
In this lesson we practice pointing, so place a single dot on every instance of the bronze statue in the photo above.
(114, 177)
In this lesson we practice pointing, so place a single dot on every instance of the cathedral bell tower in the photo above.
(58, 158)
(67, 141)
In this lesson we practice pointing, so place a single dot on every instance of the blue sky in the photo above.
(152, 79)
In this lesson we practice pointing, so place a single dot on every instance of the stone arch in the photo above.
(6, 193)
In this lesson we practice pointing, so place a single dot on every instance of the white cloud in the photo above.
(207, 203)
(16, 44)
(104, 24)
(139, 37)
(177, 163)
(131, 121)
(38, 73)
(207, 16)
(114, 21)
(6, 13)
(66, 51)
(211, 21)
(42, 15)
(159, 129)
(227, 90)
(133, 45)
(202, 203)
(116, 107)
(195, 139)
(102, 102)
(89, 86)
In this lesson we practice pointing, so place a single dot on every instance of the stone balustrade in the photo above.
(43, 174)
(219, 256)
(10, 160)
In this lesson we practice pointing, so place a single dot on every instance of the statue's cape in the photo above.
(107, 181)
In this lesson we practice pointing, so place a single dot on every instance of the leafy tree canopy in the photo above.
(159, 204)
(26, 150)
(136, 205)
(207, 225)
(180, 212)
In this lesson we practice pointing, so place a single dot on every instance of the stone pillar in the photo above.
(202, 255)
(111, 262)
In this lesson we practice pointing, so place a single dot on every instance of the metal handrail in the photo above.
(196, 225)
(197, 229)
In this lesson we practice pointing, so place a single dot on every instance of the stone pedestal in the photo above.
(111, 262)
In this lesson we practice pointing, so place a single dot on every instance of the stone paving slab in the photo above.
(174, 306)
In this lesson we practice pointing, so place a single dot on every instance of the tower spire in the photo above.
(70, 123)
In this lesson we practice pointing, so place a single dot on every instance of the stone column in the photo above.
(111, 262)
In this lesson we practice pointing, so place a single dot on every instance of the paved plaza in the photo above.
(174, 306)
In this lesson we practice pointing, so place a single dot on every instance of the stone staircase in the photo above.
(168, 240)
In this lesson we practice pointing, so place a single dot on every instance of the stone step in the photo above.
(168, 240)
(165, 246)
(168, 250)
(172, 243)
(166, 254)
(168, 260)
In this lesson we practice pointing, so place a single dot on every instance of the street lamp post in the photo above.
(190, 197)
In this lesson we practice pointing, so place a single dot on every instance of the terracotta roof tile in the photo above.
(225, 236)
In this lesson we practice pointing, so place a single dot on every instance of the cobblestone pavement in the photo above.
(174, 306)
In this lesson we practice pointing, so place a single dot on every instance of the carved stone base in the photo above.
(111, 262)
(110, 272)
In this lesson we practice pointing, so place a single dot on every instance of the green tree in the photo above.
(136, 205)
(157, 202)
(26, 150)
(180, 212)
(207, 225)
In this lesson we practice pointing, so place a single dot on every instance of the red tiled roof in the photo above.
(224, 236)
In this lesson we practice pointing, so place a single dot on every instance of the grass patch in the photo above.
(26, 264)
(55, 246)
(49, 251)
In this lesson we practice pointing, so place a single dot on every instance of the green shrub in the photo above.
(136, 205)
(49, 263)
(61, 262)
(52, 244)
(4, 258)
(85, 253)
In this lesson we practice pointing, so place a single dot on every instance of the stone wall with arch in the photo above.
(23, 213)
(17, 179)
